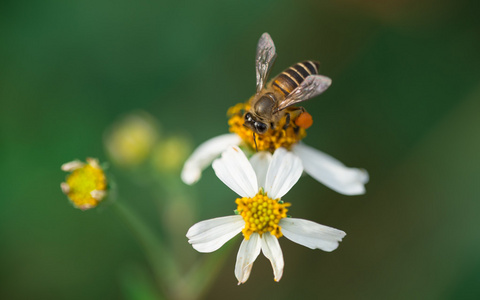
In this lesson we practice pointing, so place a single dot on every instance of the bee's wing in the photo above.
(264, 60)
(312, 86)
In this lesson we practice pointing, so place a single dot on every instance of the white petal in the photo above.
(93, 162)
(65, 187)
(98, 195)
(248, 252)
(260, 162)
(234, 169)
(72, 166)
(208, 236)
(331, 172)
(271, 249)
(311, 234)
(283, 172)
(205, 154)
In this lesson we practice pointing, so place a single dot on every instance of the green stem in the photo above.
(161, 260)
(202, 275)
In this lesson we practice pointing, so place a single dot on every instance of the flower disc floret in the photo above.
(272, 139)
(261, 214)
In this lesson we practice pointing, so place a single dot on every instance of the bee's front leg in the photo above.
(287, 121)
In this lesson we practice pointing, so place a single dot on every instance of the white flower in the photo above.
(262, 215)
(321, 166)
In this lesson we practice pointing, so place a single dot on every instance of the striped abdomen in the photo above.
(292, 77)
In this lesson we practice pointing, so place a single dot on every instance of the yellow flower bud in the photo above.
(130, 140)
(86, 185)
(171, 153)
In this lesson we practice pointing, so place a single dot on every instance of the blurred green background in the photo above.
(404, 105)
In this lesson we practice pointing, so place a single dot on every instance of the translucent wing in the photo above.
(312, 86)
(264, 60)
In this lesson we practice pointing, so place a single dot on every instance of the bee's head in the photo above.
(255, 126)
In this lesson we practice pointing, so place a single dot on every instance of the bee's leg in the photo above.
(296, 111)
(287, 121)
(255, 141)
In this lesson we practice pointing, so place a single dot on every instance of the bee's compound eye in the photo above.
(248, 117)
(261, 127)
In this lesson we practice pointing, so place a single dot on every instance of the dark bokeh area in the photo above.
(404, 105)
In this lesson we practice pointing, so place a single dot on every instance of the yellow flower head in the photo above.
(273, 138)
(86, 185)
(261, 214)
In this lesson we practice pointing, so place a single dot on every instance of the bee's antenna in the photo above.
(255, 141)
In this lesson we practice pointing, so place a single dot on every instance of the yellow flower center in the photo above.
(82, 182)
(261, 214)
(272, 139)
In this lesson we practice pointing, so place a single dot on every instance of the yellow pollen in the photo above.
(86, 186)
(272, 139)
(263, 219)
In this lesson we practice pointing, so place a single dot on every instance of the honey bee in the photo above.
(274, 101)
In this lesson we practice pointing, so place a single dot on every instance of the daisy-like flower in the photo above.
(262, 219)
(86, 185)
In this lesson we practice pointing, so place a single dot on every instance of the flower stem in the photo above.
(202, 274)
(164, 266)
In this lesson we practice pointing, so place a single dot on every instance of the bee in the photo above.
(274, 101)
